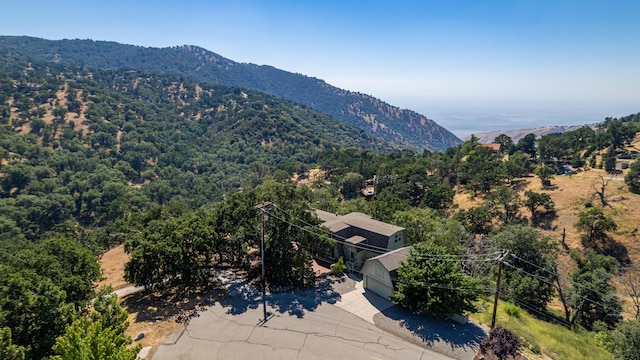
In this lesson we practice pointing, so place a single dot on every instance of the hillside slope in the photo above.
(92, 145)
(364, 111)
(517, 134)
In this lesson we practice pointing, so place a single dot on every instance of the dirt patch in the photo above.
(160, 315)
(112, 263)
(155, 315)
(309, 177)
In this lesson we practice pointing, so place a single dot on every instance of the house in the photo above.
(361, 237)
(492, 146)
(380, 273)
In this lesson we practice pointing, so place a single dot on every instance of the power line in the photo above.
(482, 257)
(547, 282)
(377, 249)
(556, 275)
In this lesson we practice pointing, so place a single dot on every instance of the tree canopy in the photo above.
(432, 282)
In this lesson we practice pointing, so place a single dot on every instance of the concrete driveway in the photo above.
(363, 304)
(458, 341)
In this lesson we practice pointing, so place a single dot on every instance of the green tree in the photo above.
(506, 143)
(531, 253)
(632, 179)
(101, 337)
(8, 350)
(37, 125)
(438, 197)
(71, 266)
(610, 160)
(626, 340)
(517, 166)
(172, 252)
(545, 173)
(59, 112)
(417, 222)
(351, 183)
(482, 170)
(594, 224)
(16, 176)
(288, 246)
(107, 311)
(535, 200)
(430, 281)
(34, 308)
(91, 340)
(528, 145)
(591, 297)
(477, 220)
(505, 204)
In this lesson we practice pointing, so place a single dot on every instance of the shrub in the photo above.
(339, 267)
(501, 342)
(512, 310)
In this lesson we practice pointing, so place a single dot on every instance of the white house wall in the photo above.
(377, 279)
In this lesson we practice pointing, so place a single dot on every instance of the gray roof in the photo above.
(364, 221)
(335, 225)
(391, 260)
(325, 215)
(356, 239)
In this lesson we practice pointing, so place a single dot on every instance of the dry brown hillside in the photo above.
(570, 193)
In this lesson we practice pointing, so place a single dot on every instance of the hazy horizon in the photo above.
(465, 118)
(469, 65)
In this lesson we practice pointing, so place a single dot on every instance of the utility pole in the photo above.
(263, 207)
(500, 259)
(263, 212)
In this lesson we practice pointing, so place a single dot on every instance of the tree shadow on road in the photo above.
(443, 335)
(242, 297)
(173, 304)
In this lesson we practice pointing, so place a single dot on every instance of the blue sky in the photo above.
(470, 65)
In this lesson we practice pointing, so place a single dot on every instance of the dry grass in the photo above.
(570, 193)
(78, 120)
(112, 263)
(153, 314)
(308, 178)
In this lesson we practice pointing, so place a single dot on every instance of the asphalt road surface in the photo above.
(327, 332)
(299, 325)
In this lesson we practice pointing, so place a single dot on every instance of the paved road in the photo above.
(291, 332)
(310, 324)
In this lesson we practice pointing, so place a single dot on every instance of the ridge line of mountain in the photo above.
(363, 111)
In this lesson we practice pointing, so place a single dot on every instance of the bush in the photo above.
(512, 310)
(501, 342)
(339, 267)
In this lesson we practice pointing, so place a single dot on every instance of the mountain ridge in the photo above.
(358, 109)
(487, 137)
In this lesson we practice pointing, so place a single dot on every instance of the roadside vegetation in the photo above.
(541, 337)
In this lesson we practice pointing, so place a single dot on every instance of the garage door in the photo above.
(372, 284)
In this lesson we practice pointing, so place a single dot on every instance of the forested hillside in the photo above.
(92, 145)
(364, 111)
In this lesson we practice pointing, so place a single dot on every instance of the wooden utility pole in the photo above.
(500, 259)
(263, 207)
(264, 216)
